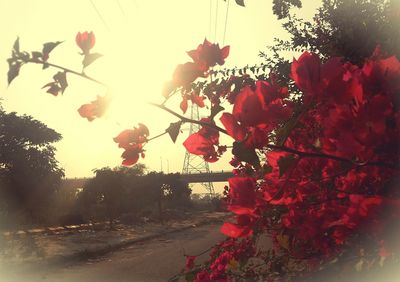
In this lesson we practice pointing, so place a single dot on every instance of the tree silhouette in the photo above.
(29, 172)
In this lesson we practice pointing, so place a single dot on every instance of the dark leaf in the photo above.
(215, 110)
(173, 130)
(13, 70)
(61, 79)
(16, 45)
(240, 2)
(49, 46)
(90, 58)
(45, 66)
(24, 56)
(242, 153)
(36, 55)
(285, 163)
(283, 133)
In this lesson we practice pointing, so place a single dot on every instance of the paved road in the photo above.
(154, 260)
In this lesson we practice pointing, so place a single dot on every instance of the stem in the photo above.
(327, 156)
(159, 135)
(67, 70)
(185, 119)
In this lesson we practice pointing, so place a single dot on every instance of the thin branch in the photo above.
(185, 119)
(326, 156)
(157, 136)
(67, 70)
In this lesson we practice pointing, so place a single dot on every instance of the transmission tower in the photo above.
(194, 163)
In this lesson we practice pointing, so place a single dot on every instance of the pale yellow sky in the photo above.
(142, 43)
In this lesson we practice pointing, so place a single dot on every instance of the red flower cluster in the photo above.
(132, 141)
(257, 112)
(204, 57)
(208, 55)
(205, 142)
(328, 174)
(350, 133)
(196, 99)
(95, 109)
(85, 41)
(227, 256)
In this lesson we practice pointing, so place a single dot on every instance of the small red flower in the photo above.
(131, 154)
(95, 109)
(205, 143)
(85, 41)
(208, 55)
(136, 135)
(132, 141)
(190, 262)
(185, 74)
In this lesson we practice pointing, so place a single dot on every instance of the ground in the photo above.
(157, 259)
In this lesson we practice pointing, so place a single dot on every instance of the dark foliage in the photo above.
(29, 172)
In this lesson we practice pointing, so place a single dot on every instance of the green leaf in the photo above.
(240, 2)
(90, 58)
(242, 153)
(49, 46)
(13, 69)
(285, 163)
(61, 79)
(173, 130)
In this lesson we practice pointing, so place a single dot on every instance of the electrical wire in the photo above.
(100, 16)
(210, 24)
(216, 21)
(121, 9)
(226, 22)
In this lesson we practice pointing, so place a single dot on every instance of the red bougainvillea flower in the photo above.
(242, 195)
(185, 74)
(233, 128)
(85, 41)
(131, 154)
(196, 99)
(256, 113)
(190, 262)
(132, 141)
(240, 229)
(208, 55)
(205, 143)
(136, 135)
(95, 109)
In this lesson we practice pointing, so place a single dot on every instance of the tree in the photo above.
(104, 196)
(29, 172)
(350, 29)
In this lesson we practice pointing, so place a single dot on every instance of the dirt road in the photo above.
(154, 260)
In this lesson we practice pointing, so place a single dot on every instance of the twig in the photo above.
(67, 70)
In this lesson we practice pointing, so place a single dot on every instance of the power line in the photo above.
(209, 27)
(226, 21)
(121, 9)
(216, 21)
(100, 16)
